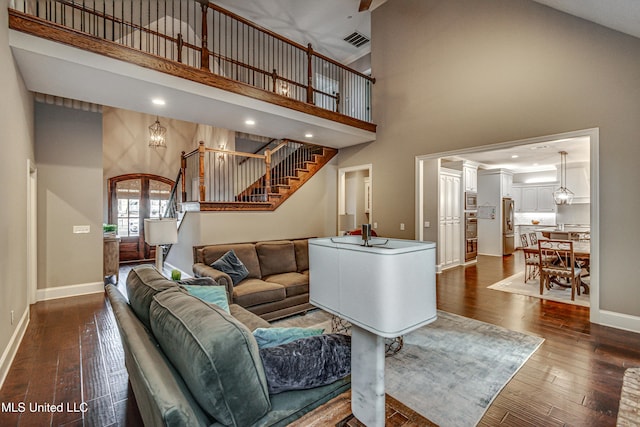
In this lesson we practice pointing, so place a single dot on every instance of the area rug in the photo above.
(516, 285)
(451, 370)
(629, 411)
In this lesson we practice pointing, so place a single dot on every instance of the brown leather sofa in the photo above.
(278, 282)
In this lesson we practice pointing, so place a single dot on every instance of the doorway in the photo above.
(355, 203)
(132, 198)
(425, 165)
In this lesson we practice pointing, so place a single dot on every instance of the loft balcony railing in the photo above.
(205, 36)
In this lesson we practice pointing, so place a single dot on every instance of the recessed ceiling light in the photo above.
(158, 101)
(249, 122)
(515, 156)
(308, 135)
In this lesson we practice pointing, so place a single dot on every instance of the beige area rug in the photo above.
(629, 412)
(516, 285)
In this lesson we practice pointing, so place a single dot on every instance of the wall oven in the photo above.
(470, 235)
(470, 201)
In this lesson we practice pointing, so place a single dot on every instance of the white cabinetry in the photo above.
(516, 195)
(535, 198)
(506, 184)
(449, 215)
(470, 177)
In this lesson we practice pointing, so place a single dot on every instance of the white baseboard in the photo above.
(12, 348)
(69, 291)
(620, 321)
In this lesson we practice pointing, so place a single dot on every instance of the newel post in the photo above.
(183, 171)
(309, 74)
(201, 151)
(267, 174)
(204, 54)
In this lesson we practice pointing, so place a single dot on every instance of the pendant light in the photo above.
(563, 196)
(157, 134)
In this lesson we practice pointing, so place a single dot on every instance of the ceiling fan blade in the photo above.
(364, 5)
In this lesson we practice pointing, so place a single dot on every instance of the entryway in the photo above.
(427, 190)
(354, 197)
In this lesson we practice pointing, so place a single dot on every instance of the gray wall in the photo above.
(69, 158)
(460, 74)
(16, 143)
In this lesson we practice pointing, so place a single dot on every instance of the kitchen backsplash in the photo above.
(574, 214)
(525, 218)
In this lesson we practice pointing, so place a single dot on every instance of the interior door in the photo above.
(132, 198)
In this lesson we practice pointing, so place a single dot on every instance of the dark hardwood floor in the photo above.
(71, 353)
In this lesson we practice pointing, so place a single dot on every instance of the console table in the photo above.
(111, 257)
(384, 290)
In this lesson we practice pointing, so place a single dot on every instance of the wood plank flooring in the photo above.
(71, 353)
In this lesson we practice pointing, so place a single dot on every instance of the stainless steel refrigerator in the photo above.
(508, 238)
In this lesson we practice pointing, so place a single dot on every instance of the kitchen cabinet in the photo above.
(516, 195)
(506, 184)
(450, 224)
(537, 198)
(470, 178)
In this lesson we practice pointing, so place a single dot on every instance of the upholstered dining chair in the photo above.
(558, 265)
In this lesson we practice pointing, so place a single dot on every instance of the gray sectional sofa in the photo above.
(278, 281)
(191, 363)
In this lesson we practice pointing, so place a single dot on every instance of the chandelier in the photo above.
(563, 196)
(157, 134)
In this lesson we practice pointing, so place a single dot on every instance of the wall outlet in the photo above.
(402, 226)
(12, 317)
(81, 229)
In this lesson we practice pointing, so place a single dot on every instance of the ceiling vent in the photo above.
(357, 39)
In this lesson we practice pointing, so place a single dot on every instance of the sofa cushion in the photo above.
(231, 265)
(301, 247)
(307, 362)
(255, 291)
(294, 283)
(212, 294)
(198, 281)
(245, 252)
(276, 257)
(216, 355)
(143, 282)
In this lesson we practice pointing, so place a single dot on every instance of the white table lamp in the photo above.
(158, 232)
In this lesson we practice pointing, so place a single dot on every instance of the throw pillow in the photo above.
(229, 263)
(271, 337)
(212, 294)
(307, 363)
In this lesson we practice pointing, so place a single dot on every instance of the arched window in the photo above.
(132, 198)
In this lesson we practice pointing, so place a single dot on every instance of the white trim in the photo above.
(12, 348)
(619, 320)
(69, 291)
(32, 232)
(594, 141)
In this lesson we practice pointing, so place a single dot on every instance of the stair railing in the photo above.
(215, 175)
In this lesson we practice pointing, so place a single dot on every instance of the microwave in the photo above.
(470, 200)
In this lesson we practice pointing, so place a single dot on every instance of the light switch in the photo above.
(402, 226)
(81, 229)
(375, 225)
(427, 224)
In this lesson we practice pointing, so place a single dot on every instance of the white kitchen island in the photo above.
(385, 290)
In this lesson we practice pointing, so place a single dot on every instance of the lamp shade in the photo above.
(160, 231)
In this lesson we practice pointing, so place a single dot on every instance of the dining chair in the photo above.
(534, 239)
(531, 259)
(558, 265)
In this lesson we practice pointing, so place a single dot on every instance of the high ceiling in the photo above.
(325, 23)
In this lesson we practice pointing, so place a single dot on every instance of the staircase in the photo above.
(277, 173)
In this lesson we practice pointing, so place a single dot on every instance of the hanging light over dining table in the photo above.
(563, 196)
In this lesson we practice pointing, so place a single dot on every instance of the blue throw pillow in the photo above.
(212, 294)
(271, 337)
(230, 264)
